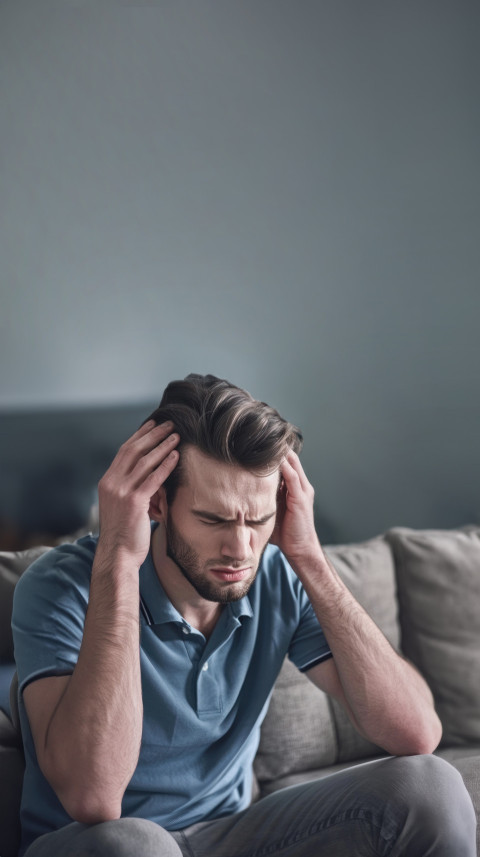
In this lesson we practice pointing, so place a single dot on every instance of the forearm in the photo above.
(387, 699)
(93, 738)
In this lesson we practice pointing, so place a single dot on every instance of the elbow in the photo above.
(431, 739)
(95, 815)
(86, 800)
(87, 810)
(421, 742)
(86, 804)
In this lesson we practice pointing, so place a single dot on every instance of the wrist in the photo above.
(115, 560)
(310, 563)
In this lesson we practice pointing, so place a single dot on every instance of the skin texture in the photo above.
(87, 727)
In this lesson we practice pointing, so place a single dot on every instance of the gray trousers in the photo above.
(411, 806)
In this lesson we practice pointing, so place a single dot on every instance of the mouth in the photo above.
(231, 575)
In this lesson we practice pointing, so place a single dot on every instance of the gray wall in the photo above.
(282, 193)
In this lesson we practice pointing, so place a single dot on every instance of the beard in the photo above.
(188, 561)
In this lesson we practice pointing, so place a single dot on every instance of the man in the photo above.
(146, 658)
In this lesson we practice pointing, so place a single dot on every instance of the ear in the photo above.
(158, 506)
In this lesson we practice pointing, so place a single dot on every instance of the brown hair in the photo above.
(226, 423)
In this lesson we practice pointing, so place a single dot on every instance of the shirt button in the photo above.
(205, 666)
(185, 630)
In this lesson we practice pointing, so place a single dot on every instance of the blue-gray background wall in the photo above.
(282, 193)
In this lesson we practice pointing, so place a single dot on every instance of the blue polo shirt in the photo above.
(204, 700)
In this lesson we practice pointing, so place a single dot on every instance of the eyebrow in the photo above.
(217, 519)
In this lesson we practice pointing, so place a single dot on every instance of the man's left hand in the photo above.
(294, 531)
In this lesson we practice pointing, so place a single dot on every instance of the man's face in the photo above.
(219, 524)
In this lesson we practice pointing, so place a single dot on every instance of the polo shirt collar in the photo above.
(157, 607)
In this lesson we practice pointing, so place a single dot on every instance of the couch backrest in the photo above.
(438, 583)
(12, 565)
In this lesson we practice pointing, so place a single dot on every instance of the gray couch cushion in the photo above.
(438, 581)
(368, 570)
(304, 729)
(298, 733)
(12, 565)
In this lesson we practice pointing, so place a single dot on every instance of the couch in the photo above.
(422, 587)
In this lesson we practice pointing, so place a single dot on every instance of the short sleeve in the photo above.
(309, 645)
(49, 608)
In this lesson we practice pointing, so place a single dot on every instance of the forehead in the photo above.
(221, 487)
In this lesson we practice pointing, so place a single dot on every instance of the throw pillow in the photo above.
(438, 580)
(368, 570)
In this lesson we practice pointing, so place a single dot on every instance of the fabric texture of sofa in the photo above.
(422, 588)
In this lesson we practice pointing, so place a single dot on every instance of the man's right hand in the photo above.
(138, 470)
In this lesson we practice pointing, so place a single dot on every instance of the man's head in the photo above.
(226, 423)
(219, 504)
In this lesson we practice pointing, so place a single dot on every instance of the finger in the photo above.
(143, 430)
(290, 475)
(295, 463)
(298, 486)
(147, 476)
(140, 443)
(151, 435)
(149, 462)
(156, 479)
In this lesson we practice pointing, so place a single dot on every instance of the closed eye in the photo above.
(213, 521)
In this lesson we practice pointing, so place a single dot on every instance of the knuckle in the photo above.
(104, 484)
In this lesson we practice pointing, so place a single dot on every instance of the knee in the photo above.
(436, 801)
(431, 780)
(124, 837)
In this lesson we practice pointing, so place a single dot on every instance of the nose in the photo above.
(236, 543)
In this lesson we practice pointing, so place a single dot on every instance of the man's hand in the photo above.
(138, 470)
(294, 531)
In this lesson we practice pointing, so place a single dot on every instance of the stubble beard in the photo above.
(187, 560)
